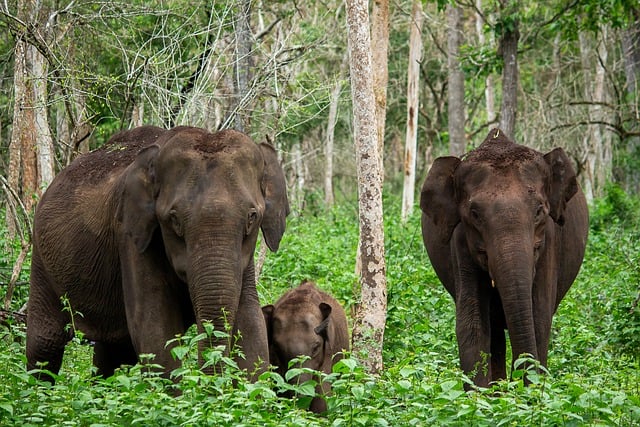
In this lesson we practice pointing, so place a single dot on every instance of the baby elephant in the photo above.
(307, 322)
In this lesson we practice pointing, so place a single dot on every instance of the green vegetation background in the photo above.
(594, 360)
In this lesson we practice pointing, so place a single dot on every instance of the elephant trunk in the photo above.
(512, 271)
(215, 282)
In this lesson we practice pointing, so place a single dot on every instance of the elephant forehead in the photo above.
(295, 318)
(197, 144)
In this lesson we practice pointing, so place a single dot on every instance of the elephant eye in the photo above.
(475, 215)
(175, 223)
(252, 218)
(540, 212)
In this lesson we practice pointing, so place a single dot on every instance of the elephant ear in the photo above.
(437, 197)
(323, 328)
(136, 212)
(274, 190)
(267, 312)
(562, 183)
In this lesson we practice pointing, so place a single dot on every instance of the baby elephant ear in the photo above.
(137, 210)
(274, 190)
(322, 328)
(562, 183)
(267, 312)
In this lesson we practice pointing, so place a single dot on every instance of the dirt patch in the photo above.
(212, 143)
(500, 152)
(117, 153)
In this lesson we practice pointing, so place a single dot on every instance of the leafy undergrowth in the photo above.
(594, 364)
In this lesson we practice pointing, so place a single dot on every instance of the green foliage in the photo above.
(615, 208)
(593, 371)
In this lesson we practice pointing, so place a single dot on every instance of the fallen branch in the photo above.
(8, 317)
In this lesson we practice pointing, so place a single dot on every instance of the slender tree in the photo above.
(508, 50)
(31, 164)
(413, 101)
(330, 137)
(242, 66)
(489, 92)
(457, 142)
(369, 323)
(380, 39)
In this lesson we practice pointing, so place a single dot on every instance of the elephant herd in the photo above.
(156, 231)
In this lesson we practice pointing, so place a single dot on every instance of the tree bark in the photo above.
(457, 142)
(631, 54)
(597, 145)
(509, 51)
(243, 63)
(489, 92)
(331, 126)
(369, 322)
(380, 39)
(31, 165)
(413, 106)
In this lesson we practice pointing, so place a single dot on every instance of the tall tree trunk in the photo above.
(489, 92)
(380, 39)
(298, 168)
(243, 63)
(413, 92)
(44, 141)
(508, 49)
(331, 126)
(597, 146)
(31, 164)
(457, 142)
(369, 323)
(631, 52)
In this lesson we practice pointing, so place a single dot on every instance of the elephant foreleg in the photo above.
(253, 330)
(498, 340)
(107, 357)
(46, 339)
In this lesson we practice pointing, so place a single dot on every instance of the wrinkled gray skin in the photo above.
(505, 229)
(307, 322)
(151, 233)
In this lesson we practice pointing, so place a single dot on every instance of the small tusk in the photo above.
(493, 284)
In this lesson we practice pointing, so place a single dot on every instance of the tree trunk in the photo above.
(489, 92)
(413, 92)
(31, 164)
(43, 140)
(380, 39)
(597, 146)
(457, 143)
(243, 63)
(631, 53)
(331, 126)
(298, 168)
(369, 322)
(509, 52)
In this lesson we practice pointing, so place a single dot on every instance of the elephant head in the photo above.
(307, 322)
(196, 200)
(492, 224)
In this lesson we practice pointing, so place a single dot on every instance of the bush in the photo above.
(593, 378)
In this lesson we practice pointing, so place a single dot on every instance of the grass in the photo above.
(594, 364)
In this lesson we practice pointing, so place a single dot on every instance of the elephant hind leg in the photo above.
(46, 340)
(107, 357)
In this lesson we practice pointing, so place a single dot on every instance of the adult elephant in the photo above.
(149, 234)
(505, 228)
